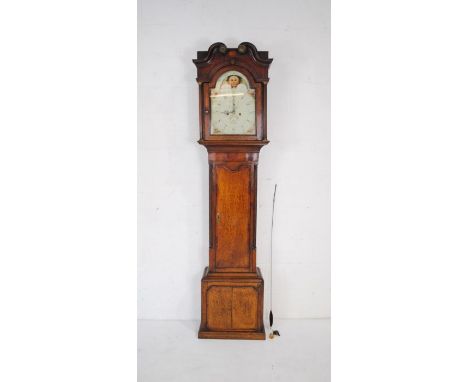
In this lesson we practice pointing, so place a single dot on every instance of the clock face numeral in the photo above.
(232, 105)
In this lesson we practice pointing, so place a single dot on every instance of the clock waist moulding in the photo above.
(233, 128)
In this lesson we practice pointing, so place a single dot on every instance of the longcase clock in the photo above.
(233, 84)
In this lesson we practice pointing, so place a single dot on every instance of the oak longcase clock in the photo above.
(232, 90)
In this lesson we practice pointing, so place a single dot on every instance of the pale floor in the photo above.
(170, 351)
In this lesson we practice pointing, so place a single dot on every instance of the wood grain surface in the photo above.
(232, 285)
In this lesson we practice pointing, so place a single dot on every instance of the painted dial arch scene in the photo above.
(232, 105)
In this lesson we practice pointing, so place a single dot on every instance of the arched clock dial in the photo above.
(232, 105)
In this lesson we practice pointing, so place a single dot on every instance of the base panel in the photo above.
(232, 307)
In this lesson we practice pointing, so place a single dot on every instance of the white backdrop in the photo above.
(173, 167)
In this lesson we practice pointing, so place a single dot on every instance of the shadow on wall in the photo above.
(200, 251)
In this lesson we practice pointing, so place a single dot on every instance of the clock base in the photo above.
(231, 335)
(232, 306)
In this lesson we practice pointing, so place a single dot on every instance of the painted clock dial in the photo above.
(232, 105)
